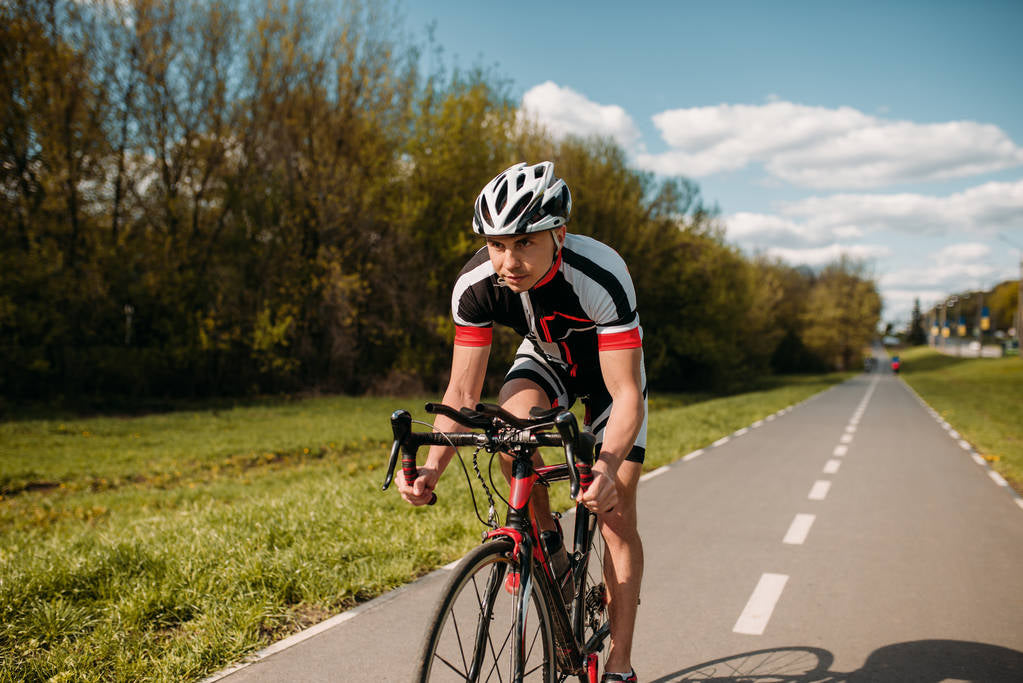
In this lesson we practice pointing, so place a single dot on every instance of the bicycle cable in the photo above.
(492, 512)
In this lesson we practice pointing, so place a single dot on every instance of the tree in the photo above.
(841, 313)
(917, 335)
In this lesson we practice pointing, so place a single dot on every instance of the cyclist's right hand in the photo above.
(421, 491)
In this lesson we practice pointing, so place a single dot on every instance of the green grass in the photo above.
(166, 547)
(981, 397)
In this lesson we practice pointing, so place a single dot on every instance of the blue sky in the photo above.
(889, 131)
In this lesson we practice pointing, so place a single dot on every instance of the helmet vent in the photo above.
(520, 180)
(502, 198)
(485, 210)
(520, 205)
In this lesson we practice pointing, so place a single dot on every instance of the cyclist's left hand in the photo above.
(602, 495)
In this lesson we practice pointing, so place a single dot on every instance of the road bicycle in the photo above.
(503, 615)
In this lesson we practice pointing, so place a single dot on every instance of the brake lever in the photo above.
(401, 427)
(568, 428)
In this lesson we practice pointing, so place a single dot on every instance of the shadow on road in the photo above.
(922, 661)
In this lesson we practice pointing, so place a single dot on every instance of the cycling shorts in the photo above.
(563, 390)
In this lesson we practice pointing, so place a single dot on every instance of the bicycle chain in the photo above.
(492, 510)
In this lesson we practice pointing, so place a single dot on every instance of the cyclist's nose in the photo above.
(511, 261)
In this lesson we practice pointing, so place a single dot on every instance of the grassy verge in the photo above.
(168, 546)
(980, 397)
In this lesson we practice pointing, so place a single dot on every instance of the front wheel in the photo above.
(471, 634)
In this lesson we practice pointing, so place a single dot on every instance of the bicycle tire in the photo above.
(596, 626)
(471, 630)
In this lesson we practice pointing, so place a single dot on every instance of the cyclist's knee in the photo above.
(519, 395)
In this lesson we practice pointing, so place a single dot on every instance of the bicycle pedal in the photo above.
(511, 583)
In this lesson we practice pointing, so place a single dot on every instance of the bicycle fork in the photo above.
(566, 643)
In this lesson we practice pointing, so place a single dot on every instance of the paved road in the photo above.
(849, 539)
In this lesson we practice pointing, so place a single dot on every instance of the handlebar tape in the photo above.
(411, 472)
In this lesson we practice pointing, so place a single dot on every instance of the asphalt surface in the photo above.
(852, 538)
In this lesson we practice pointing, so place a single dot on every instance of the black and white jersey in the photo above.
(585, 304)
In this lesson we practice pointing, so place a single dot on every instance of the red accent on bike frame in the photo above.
(520, 490)
(514, 534)
(591, 667)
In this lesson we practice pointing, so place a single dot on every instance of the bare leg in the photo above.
(517, 397)
(623, 567)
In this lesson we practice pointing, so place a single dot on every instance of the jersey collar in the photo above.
(555, 267)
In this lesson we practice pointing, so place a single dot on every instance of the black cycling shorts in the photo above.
(563, 390)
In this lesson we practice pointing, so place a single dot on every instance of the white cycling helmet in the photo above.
(522, 199)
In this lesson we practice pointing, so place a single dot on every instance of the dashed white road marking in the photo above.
(740, 432)
(654, 473)
(694, 454)
(846, 438)
(851, 429)
(799, 529)
(756, 424)
(997, 478)
(831, 466)
(840, 450)
(965, 445)
(761, 604)
(722, 441)
(820, 490)
(979, 460)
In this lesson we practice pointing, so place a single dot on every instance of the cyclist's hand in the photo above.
(421, 491)
(602, 495)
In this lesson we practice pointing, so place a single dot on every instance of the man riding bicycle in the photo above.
(573, 301)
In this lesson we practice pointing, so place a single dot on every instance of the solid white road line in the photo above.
(756, 614)
(820, 490)
(831, 466)
(799, 529)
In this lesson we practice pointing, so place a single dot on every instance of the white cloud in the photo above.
(953, 268)
(825, 148)
(820, 256)
(564, 111)
(984, 210)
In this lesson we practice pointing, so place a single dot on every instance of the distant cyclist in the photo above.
(572, 300)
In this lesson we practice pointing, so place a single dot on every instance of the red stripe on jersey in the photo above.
(619, 340)
(473, 336)
(550, 273)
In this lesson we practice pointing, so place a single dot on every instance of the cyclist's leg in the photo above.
(531, 382)
(623, 562)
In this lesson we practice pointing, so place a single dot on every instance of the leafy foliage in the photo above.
(210, 198)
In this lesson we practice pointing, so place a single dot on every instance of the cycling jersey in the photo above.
(585, 304)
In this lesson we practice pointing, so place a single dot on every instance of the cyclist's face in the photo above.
(521, 259)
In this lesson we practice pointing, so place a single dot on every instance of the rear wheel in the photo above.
(472, 633)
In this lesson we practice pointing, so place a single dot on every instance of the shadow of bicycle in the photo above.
(922, 661)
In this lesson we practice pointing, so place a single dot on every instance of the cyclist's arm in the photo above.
(622, 377)
(468, 369)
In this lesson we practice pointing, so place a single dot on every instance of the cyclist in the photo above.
(572, 300)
